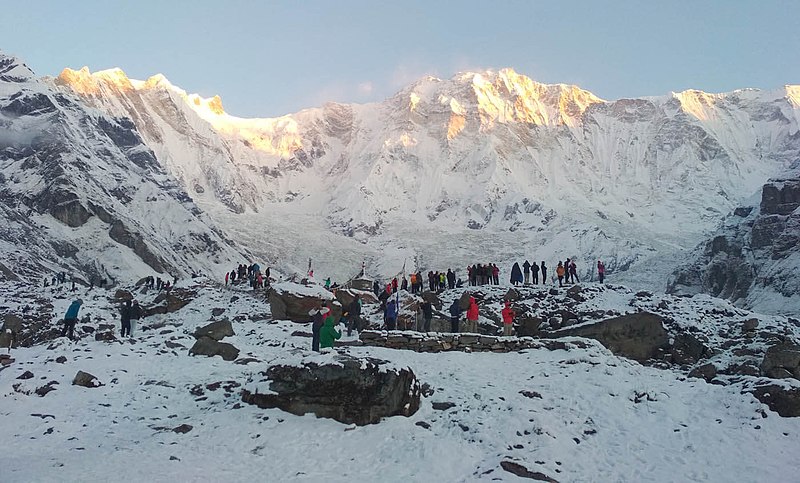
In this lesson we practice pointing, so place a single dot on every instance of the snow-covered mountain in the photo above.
(483, 166)
(81, 193)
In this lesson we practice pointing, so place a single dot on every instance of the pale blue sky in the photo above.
(271, 58)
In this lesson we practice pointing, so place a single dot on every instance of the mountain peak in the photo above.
(13, 70)
(85, 82)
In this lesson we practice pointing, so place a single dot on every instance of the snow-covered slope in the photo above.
(483, 166)
(81, 193)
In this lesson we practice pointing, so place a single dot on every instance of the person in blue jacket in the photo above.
(71, 318)
(391, 315)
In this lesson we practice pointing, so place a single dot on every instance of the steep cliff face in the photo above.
(485, 165)
(80, 192)
(754, 258)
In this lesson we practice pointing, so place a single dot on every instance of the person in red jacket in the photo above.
(508, 318)
(472, 316)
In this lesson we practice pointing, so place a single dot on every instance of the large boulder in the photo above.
(637, 336)
(206, 346)
(292, 301)
(781, 361)
(215, 330)
(348, 389)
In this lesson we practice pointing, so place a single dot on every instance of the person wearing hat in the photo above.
(71, 318)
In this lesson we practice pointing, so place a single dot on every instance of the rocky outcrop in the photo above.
(121, 234)
(293, 301)
(639, 336)
(350, 390)
(754, 258)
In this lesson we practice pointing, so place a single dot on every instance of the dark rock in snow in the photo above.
(637, 336)
(182, 429)
(288, 302)
(86, 380)
(443, 406)
(782, 361)
(783, 400)
(61, 359)
(349, 390)
(215, 330)
(26, 375)
(523, 472)
(705, 371)
(687, 349)
(206, 346)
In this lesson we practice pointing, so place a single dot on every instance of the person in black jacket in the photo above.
(354, 313)
(544, 274)
(427, 315)
(317, 321)
(535, 274)
(526, 269)
(125, 318)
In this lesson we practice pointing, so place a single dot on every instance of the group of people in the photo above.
(528, 274)
(130, 311)
(158, 284)
(252, 273)
(488, 274)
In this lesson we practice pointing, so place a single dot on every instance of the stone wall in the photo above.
(439, 342)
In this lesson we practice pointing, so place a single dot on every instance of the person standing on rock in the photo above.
(544, 273)
(71, 317)
(427, 315)
(354, 319)
(601, 271)
(560, 273)
(508, 318)
(455, 315)
(227, 276)
(318, 320)
(496, 274)
(526, 269)
(451, 279)
(535, 274)
(472, 316)
(328, 333)
(391, 315)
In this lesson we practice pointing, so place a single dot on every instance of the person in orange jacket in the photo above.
(560, 273)
(472, 316)
(508, 318)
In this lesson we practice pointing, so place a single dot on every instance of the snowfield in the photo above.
(585, 415)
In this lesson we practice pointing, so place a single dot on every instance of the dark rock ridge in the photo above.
(350, 390)
(754, 258)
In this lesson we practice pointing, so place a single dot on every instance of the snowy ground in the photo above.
(586, 426)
